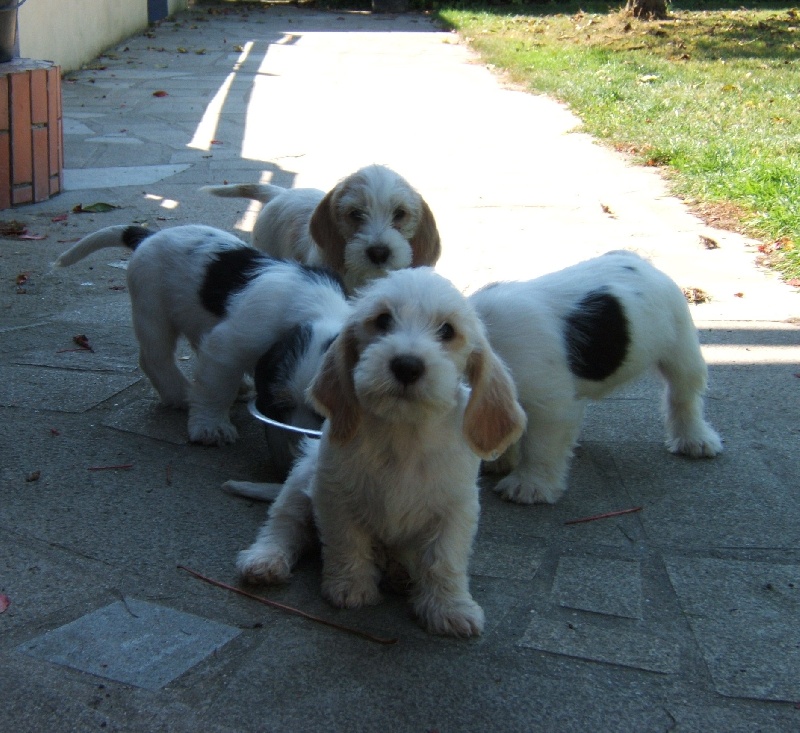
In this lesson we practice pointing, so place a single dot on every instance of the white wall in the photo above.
(73, 32)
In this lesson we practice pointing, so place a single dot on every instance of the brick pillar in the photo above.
(31, 136)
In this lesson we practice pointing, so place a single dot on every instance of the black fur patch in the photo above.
(273, 398)
(134, 235)
(229, 272)
(275, 368)
(597, 337)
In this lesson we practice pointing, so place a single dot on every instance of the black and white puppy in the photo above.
(576, 335)
(282, 376)
(231, 302)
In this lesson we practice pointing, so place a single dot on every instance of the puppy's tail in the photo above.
(124, 235)
(263, 192)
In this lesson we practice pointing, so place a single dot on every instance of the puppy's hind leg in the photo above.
(288, 531)
(157, 342)
(686, 373)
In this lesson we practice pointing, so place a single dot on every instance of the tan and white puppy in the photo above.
(414, 397)
(578, 334)
(368, 224)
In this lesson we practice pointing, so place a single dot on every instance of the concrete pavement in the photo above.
(683, 616)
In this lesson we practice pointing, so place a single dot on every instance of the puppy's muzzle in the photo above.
(407, 369)
(378, 254)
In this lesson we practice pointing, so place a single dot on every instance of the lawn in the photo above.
(711, 96)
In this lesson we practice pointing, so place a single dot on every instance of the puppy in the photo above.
(230, 301)
(282, 376)
(578, 334)
(370, 223)
(413, 396)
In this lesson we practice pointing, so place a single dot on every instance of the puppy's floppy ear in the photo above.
(325, 232)
(333, 392)
(426, 246)
(493, 419)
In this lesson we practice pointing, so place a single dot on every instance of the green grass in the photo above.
(710, 96)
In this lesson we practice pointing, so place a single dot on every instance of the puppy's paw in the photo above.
(462, 618)
(526, 490)
(247, 389)
(705, 444)
(263, 565)
(205, 433)
(349, 593)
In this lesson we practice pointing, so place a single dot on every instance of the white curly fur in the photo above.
(413, 395)
(368, 224)
(531, 324)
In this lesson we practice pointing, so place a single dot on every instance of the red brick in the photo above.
(22, 195)
(41, 168)
(5, 169)
(38, 96)
(5, 104)
(54, 120)
(21, 162)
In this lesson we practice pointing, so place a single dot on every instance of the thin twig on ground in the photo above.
(290, 609)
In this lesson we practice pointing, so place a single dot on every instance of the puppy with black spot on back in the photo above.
(233, 304)
(577, 335)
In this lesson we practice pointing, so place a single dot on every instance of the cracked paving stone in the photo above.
(612, 587)
(745, 616)
(631, 647)
(134, 642)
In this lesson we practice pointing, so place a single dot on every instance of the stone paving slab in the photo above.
(742, 614)
(624, 623)
(134, 642)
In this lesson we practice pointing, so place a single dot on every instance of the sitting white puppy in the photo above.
(576, 335)
(395, 472)
(370, 223)
(231, 302)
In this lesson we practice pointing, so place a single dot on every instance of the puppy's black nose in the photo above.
(407, 369)
(378, 254)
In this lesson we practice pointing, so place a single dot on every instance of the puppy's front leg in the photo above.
(350, 575)
(545, 450)
(286, 533)
(442, 600)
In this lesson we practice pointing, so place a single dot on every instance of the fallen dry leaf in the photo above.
(696, 295)
(97, 208)
(33, 476)
(708, 242)
(83, 341)
(5, 602)
(12, 228)
(160, 93)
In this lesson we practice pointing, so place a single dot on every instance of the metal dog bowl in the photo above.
(258, 415)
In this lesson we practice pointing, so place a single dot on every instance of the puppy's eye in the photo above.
(356, 215)
(446, 332)
(399, 215)
(384, 322)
